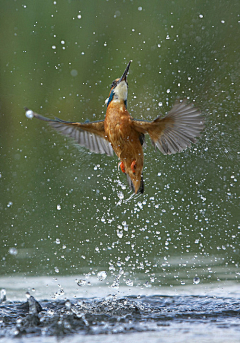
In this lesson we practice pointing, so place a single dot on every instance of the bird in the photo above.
(123, 135)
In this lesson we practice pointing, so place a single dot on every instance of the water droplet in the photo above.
(147, 284)
(102, 275)
(196, 280)
(119, 234)
(115, 284)
(81, 282)
(74, 72)
(58, 207)
(29, 114)
(68, 305)
(19, 322)
(15, 332)
(129, 282)
(13, 251)
(120, 195)
(140, 8)
(3, 295)
(117, 14)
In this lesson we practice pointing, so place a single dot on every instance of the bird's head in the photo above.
(119, 88)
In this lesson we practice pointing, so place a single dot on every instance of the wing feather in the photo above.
(86, 134)
(89, 135)
(176, 131)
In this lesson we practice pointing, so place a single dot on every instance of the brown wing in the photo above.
(89, 135)
(176, 131)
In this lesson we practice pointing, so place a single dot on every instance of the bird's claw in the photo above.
(134, 166)
(121, 165)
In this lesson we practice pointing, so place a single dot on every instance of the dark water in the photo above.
(65, 211)
(117, 315)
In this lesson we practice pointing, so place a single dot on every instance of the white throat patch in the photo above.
(121, 91)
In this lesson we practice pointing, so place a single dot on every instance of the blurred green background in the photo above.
(66, 211)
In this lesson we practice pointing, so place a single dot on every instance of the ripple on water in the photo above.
(114, 315)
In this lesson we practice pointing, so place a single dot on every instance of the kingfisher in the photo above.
(123, 135)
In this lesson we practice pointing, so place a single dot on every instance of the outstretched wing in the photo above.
(89, 135)
(176, 131)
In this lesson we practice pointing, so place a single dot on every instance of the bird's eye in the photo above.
(114, 84)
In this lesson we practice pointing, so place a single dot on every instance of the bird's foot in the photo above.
(134, 166)
(121, 165)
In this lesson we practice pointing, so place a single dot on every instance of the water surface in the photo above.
(89, 312)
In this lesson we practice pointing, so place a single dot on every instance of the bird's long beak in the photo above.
(124, 75)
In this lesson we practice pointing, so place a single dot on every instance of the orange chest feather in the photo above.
(117, 124)
(121, 133)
